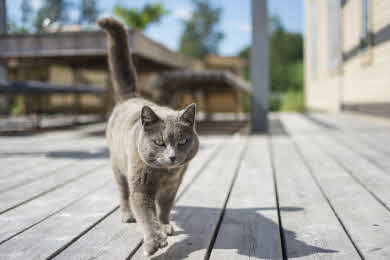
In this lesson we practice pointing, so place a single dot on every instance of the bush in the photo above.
(293, 100)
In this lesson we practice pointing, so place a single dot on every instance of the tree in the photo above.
(285, 52)
(52, 11)
(89, 12)
(201, 35)
(140, 19)
(27, 12)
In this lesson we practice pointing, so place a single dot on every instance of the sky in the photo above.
(235, 21)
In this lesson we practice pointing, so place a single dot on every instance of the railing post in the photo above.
(259, 67)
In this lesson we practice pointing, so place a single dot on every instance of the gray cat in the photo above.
(150, 146)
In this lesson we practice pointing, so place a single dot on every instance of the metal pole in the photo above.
(3, 17)
(259, 66)
(4, 100)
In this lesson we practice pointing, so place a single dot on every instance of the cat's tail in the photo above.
(123, 74)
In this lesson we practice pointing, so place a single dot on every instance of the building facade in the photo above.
(347, 55)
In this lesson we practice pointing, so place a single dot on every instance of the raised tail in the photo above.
(123, 74)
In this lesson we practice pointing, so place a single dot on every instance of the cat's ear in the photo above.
(188, 115)
(148, 117)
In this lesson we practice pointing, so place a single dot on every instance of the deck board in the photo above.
(315, 188)
(250, 227)
(44, 240)
(18, 196)
(310, 228)
(364, 218)
(37, 210)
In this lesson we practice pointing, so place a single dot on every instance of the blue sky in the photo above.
(235, 20)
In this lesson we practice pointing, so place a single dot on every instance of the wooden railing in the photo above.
(33, 91)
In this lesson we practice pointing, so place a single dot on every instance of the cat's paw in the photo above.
(158, 241)
(162, 239)
(167, 229)
(127, 217)
(150, 247)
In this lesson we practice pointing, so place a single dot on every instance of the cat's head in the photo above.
(168, 139)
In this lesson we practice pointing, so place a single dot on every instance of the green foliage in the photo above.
(89, 12)
(17, 106)
(293, 100)
(201, 35)
(141, 19)
(274, 101)
(245, 55)
(52, 11)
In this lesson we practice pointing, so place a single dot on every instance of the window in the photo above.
(365, 39)
(312, 40)
(334, 34)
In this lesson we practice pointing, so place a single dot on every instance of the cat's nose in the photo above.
(172, 158)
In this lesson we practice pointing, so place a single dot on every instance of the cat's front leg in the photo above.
(144, 208)
(165, 200)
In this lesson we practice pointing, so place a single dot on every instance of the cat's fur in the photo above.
(150, 146)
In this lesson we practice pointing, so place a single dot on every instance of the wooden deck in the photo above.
(317, 187)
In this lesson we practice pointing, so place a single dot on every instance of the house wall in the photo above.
(322, 81)
(362, 81)
(366, 78)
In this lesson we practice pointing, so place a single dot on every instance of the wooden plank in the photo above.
(250, 226)
(363, 217)
(347, 121)
(368, 175)
(372, 174)
(310, 229)
(111, 239)
(35, 168)
(45, 168)
(198, 213)
(373, 133)
(43, 240)
(22, 218)
(54, 137)
(16, 197)
(12, 165)
(379, 141)
(364, 150)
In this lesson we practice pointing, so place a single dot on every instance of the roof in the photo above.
(86, 43)
(32, 87)
(200, 79)
(224, 61)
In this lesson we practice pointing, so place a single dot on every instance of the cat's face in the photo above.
(168, 142)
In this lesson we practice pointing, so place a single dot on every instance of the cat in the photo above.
(150, 145)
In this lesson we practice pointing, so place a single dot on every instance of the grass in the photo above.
(293, 101)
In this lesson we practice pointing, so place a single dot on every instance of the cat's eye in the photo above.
(182, 141)
(159, 142)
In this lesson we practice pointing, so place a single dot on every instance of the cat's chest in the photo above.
(152, 179)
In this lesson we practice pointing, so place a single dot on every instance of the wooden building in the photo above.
(347, 55)
(79, 57)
